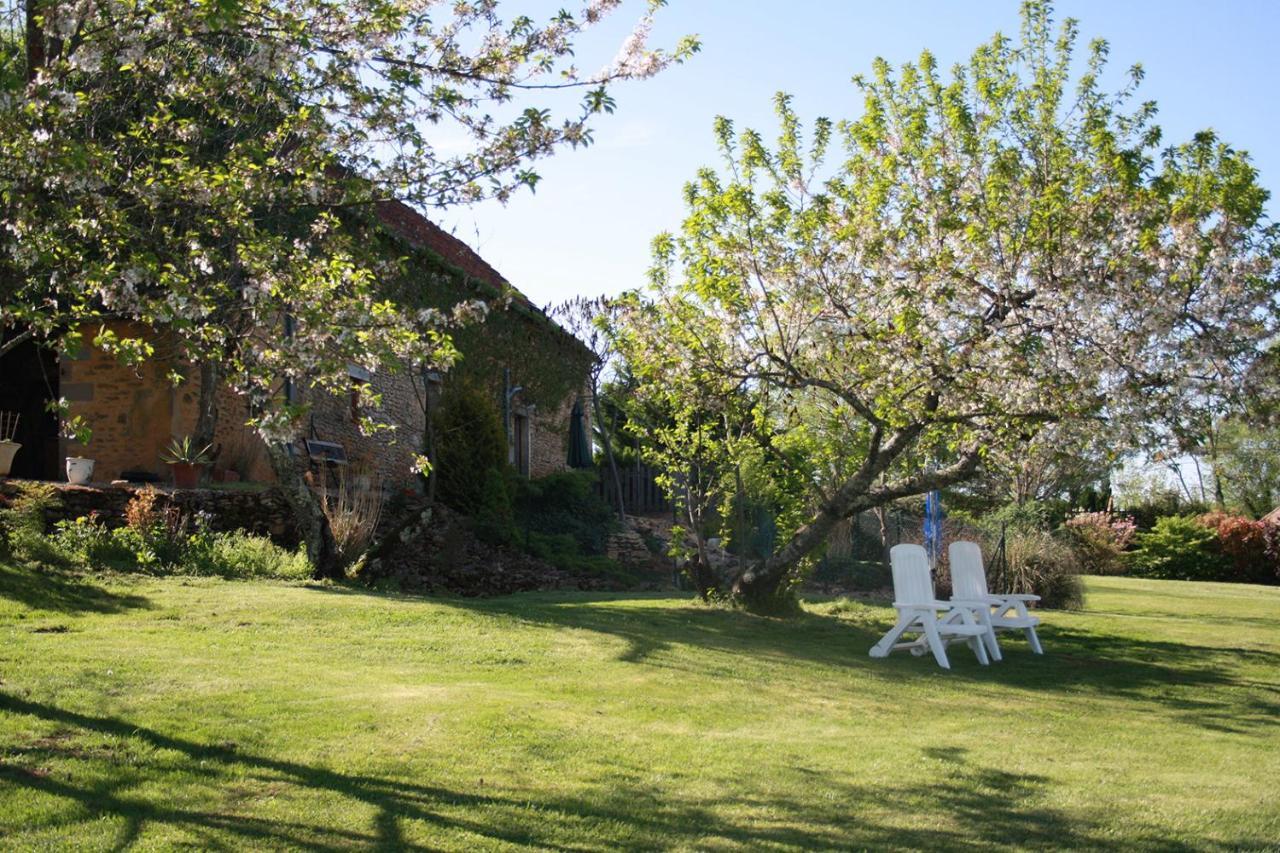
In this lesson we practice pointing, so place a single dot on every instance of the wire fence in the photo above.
(856, 556)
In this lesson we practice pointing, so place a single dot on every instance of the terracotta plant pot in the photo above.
(79, 470)
(186, 475)
(7, 451)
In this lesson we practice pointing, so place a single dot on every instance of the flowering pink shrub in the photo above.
(1100, 538)
(1250, 545)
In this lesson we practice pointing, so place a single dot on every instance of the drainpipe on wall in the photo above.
(508, 395)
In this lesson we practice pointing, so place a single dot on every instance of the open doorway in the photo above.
(28, 382)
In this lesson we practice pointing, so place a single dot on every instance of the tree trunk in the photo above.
(322, 550)
(429, 448)
(882, 520)
(1186, 490)
(207, 405)
(760, 586)
(704, 577)
(35, 39)
(1219, 497)
(1204, 495)
(608, 454)
(740, 522)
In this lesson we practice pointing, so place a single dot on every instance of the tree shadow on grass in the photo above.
(1187, 680)
(809, 634)
(958, 806)
(62, 592)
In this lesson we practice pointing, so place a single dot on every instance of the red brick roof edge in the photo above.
(422, 233)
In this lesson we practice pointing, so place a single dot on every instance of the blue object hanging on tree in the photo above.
(933, 527)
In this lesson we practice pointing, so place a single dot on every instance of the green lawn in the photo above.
(201, 713)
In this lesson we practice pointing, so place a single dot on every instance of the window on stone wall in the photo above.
(359, 377)
(355, 401)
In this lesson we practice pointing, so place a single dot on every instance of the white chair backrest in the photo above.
(911, 581)
(968, 577)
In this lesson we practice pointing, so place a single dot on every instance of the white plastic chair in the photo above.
(1003, 612)
(937, 622)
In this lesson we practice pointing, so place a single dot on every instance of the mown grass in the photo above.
(176, 712)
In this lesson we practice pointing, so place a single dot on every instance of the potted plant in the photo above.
(8, 447)
(185, 460)
(79, 470)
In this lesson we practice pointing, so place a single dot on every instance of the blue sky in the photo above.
(587, 229)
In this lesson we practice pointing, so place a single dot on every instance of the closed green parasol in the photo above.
(579, 446)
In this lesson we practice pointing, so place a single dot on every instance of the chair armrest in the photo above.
(970, 602)
(1019, 597)
(922, 605)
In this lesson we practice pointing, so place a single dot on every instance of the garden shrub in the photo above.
(1028, 515)
(1039, 563)
(1099, 539)
(1178, 547)
(494, 520)
(560, 519)
(469, 442)
(22, 526)
(1147, 512)
(143, 513)
(243, 556)
(1272, 536)
(1244, 542)
(353, 512)
(153, 540)
(563, 551)
(161, 542)
(89, 544)
(157, 536)
(565, 503)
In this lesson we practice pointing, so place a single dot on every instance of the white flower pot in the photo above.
(79, 470)
(7, 451)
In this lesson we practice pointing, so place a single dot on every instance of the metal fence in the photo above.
(857, 550)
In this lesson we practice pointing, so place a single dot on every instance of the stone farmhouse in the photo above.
(134, 413)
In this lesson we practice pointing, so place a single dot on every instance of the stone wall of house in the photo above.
(135, 412)
(130, 410)
(549, 441)
(387, 454)
(236, 446)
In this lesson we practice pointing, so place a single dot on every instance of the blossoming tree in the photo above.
(213, 168)
(997, 249)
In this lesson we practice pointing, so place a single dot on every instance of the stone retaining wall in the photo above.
(261, 511)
